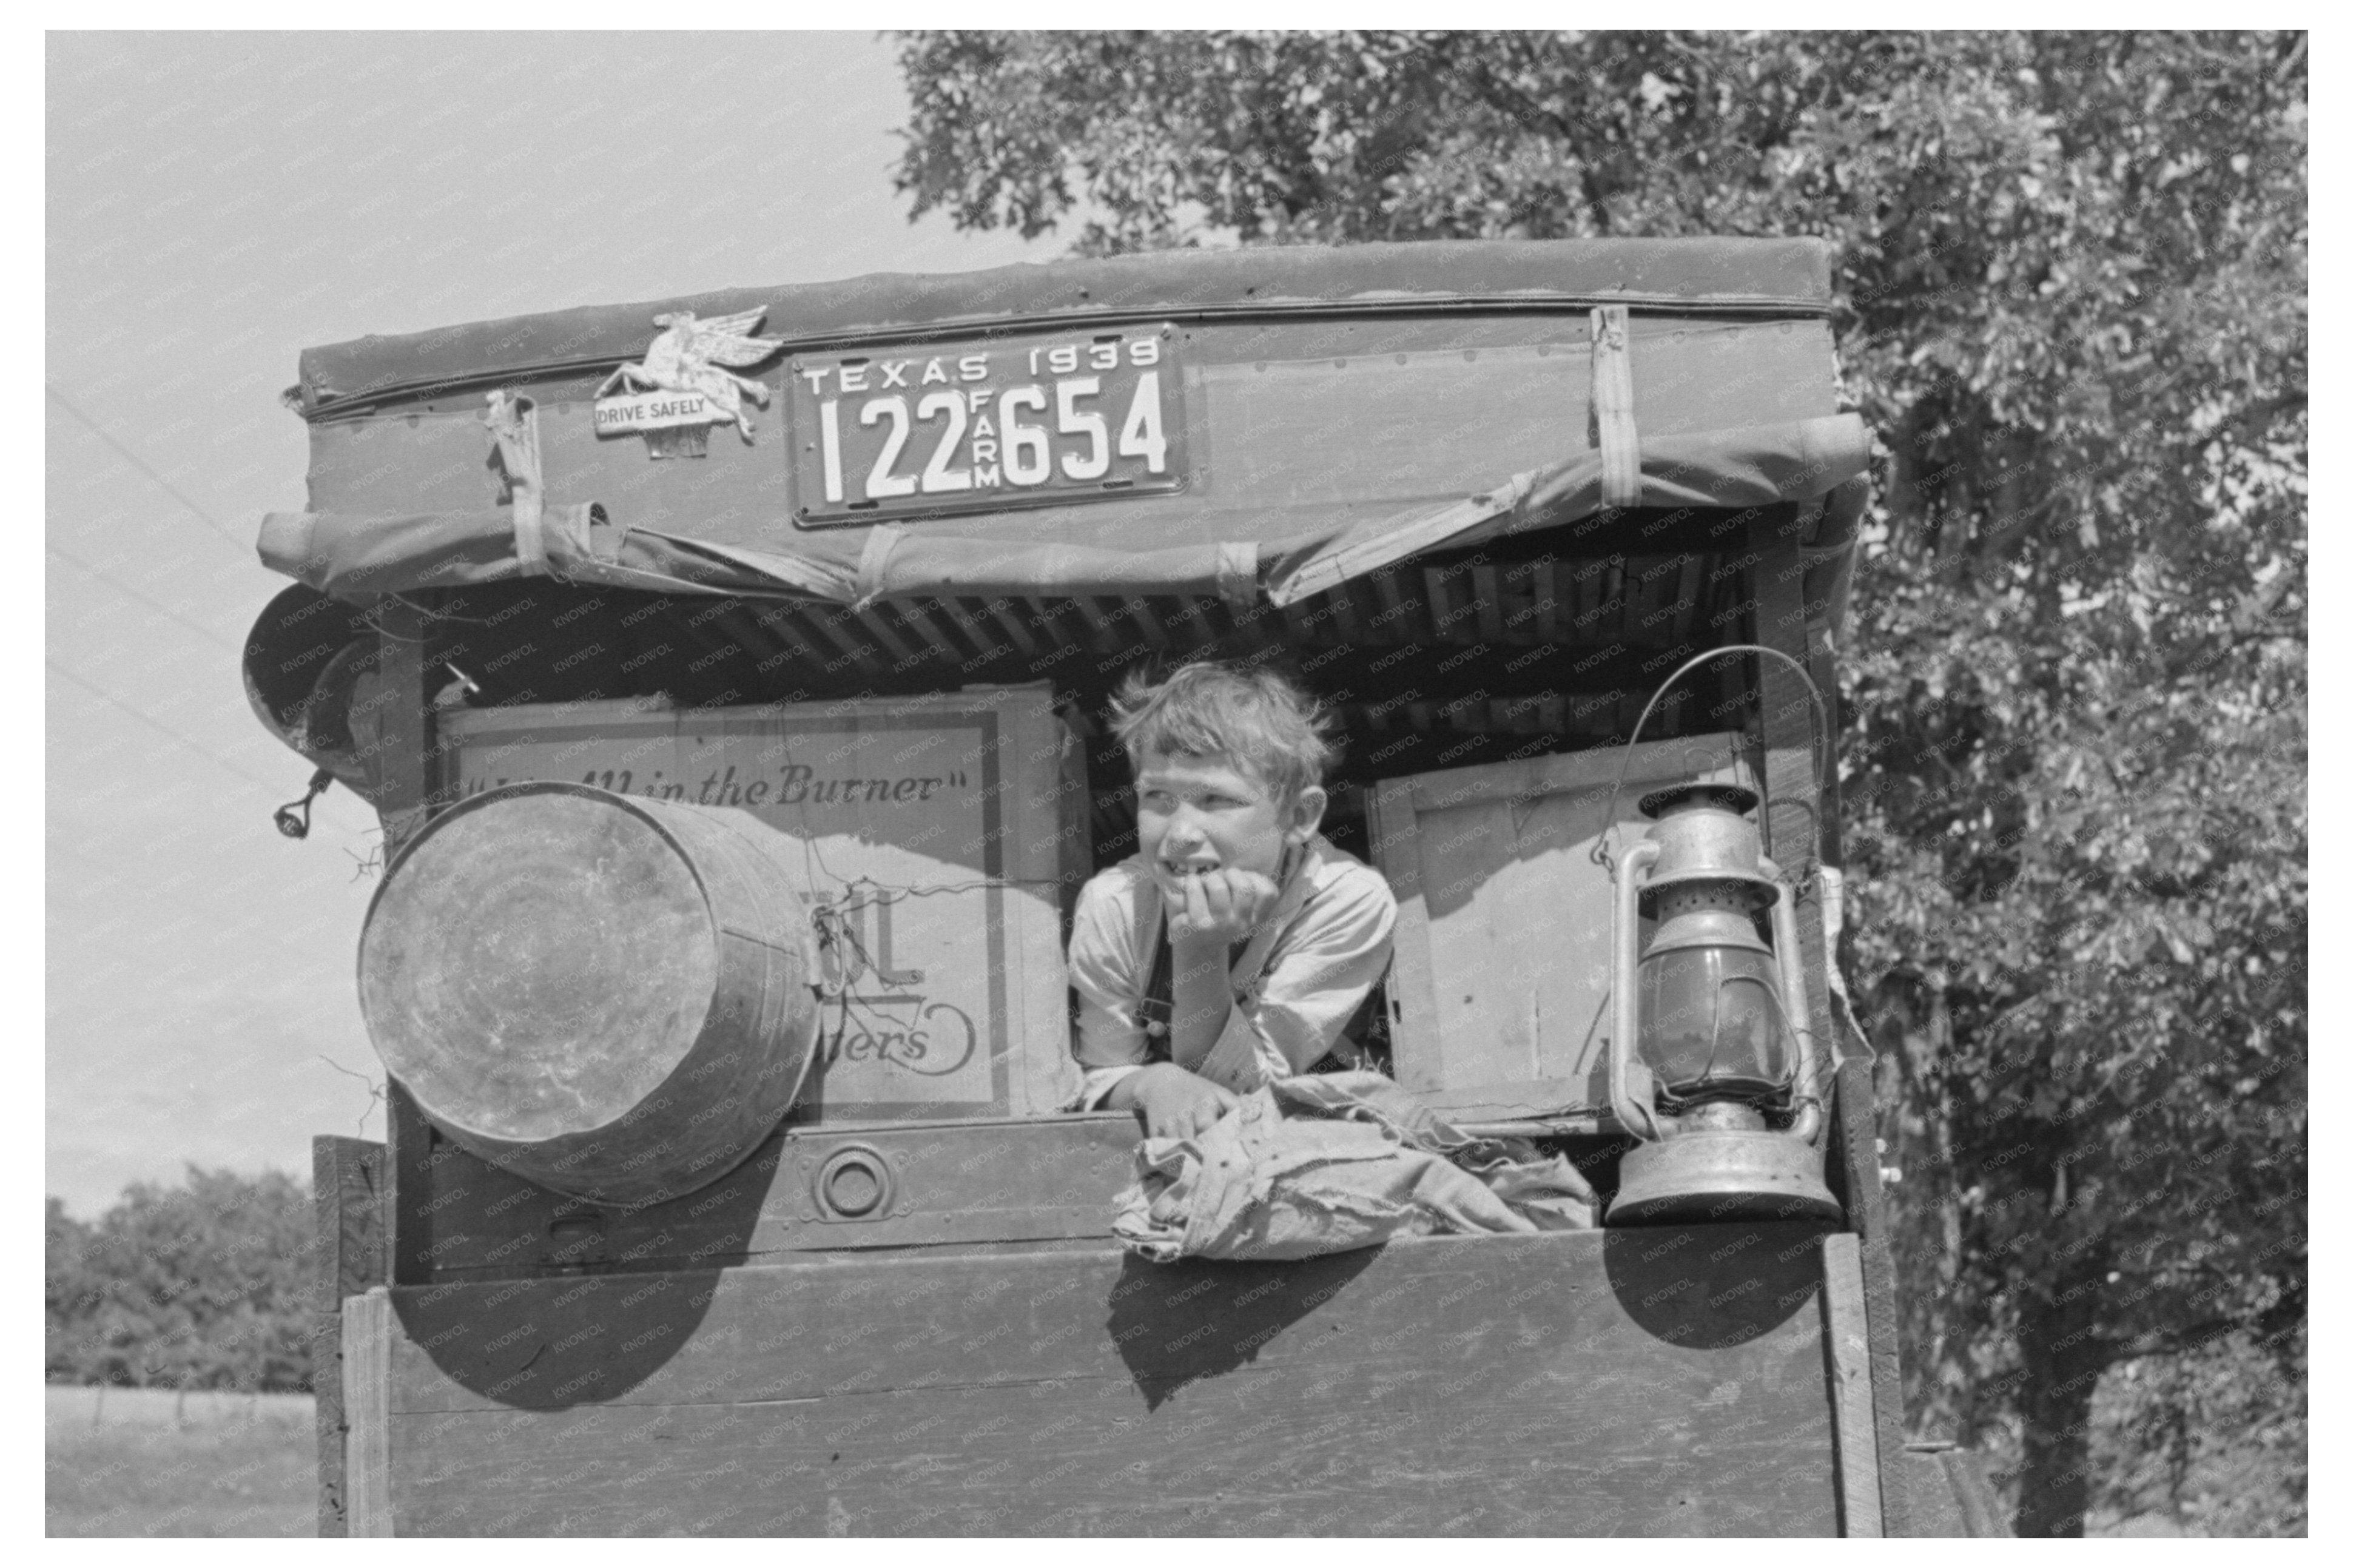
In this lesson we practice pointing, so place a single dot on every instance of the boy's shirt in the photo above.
(1295, 984)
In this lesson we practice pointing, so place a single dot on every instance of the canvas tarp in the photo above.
(357, 558)
(1768, 278)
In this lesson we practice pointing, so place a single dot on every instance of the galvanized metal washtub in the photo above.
(608, 995)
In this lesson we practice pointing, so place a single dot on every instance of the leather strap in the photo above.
(1613, 409)
(881, 541)
(513, 421)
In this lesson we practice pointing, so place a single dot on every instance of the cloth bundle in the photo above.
(1326, 1163)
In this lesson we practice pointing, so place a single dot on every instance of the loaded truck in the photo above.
(730, 675)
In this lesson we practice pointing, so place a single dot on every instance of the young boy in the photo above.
(1234, 946)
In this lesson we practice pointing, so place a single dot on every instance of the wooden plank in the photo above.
(1777, 581)
(327, 1406)
(368, 1335)
(952, 1184)
(1566, 1104)
(911, 613)
(1487, 585)
(1527, 778)
(410, 776)
(1627, 1382)
(347, 1218)
(1140, 611)
(829, 623)
(1099, 614)
(411, 1154)
(1346, 617)
(1008, 617)
(1393, 824)
(1393, 613)
(1046, 614)
(1848, 1334)
(347, 1258)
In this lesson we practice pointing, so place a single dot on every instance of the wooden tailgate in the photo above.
(1650, 1382)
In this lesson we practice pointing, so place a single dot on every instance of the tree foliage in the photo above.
(2072, 302)
(204, 1285)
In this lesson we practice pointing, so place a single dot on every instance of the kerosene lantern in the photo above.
(1712, 1058)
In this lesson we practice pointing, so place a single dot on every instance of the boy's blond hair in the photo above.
(1267, 725)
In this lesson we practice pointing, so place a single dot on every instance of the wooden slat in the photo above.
(957, 1184)
(1849, 1338)
(830, 625)
(408, 1151)
(789, 638)
(1393, 827)
(1522, 620)
(1009, 618)
(368, 1335)
(1597, 585)
(1487, 584)
(1154, 634)
(347, 1258)
(1256, 629)
(700, 624)
(1346, 615)
(1778, 594)
(933, 637)
(773, 656)
(1098, 613)
(410, 776)
(347, 1219)
(1690, 588)
(1394, 618)
(1553, 590)
(1440, 601)
(877, 625)
(1192, 624)
(1046, 615)
(327, 1408)
(1491, 1385)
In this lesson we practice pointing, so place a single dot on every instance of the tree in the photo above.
(2072, 304)
(204, 1285)
(69, 1291)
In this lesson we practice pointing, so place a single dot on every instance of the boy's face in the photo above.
(1207, 813)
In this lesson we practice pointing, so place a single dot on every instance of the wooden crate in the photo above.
(942, 839)
(1500, 999)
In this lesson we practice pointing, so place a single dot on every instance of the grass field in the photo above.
(132, 1461)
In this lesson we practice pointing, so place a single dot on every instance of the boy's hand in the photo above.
(1176, 1103)
(1224, 904)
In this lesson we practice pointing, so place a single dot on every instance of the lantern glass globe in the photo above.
(1711, 1027)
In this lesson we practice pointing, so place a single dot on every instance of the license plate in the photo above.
(1033, 421)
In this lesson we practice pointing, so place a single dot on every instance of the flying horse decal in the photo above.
(690, 356)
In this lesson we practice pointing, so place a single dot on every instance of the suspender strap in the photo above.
(1158, 1011)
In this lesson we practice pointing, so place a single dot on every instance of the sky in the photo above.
(215, 204)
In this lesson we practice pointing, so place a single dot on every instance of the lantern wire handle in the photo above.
(293, 818)
(1820, 736)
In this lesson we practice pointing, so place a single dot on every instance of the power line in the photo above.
(104, 576)
(108, 697)
(131, 458)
